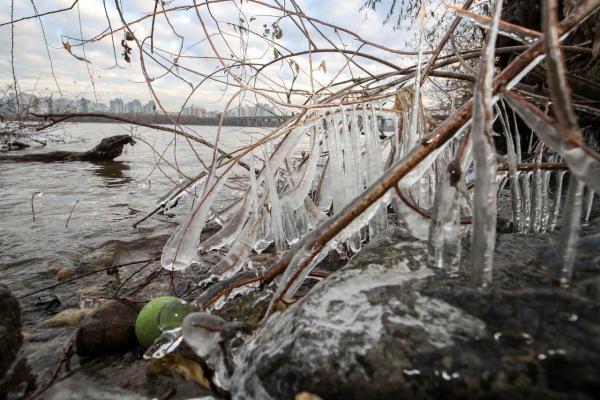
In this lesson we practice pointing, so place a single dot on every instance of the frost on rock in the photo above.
(344, 317)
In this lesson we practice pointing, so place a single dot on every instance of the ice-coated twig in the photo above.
(483, 235)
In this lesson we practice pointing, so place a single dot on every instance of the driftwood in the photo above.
(107, 150)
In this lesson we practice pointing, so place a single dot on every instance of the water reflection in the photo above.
(113, 171)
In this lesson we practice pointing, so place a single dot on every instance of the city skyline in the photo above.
(49, 104)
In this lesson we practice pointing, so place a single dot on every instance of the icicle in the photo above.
(181, 249)
(545, 201)
(444, 231)
(302, 222)
(374, 168)
(513, 154)
(289, 222)
(351, 178)
(285, 147)
(253, 185)
(557, 198)
(536, 201)
(294, 275)
(444, 245)
(571, 224)
(262, 238)
(525, 179)
(517, 135)
(416, 173)
(295, 198)
(335, 161)
(483, 236)
(416, 224)
(275, 206)
(589, 202)
(325, 193)
(355, 153)
(315, 215)
(238, 254)
(501, 181)
(230, 231)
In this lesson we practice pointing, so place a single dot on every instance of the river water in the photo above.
(108, 197)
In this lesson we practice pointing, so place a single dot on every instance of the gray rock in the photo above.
(386, 326)
(10, 328)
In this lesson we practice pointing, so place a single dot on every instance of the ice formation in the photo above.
(291, 192)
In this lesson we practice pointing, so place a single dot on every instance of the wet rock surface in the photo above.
(109, 329)
(74, 390)
(386, 326)
(10, 328)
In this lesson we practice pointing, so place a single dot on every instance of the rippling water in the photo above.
(110, 198)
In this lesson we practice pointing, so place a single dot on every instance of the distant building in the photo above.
(264, 110)
(133, 107)
(194, 110)
(117, 106)
(83, 105)
(99, 107)
(149, 108)
(63, 105)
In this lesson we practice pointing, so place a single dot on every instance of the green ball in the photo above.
(146, 324)
(171, 315)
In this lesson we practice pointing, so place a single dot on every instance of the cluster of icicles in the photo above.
(534, 208)
(287, 192)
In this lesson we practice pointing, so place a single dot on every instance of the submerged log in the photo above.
(107, 150)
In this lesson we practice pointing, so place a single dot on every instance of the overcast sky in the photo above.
(74, 77)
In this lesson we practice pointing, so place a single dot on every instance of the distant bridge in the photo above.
(270, 121)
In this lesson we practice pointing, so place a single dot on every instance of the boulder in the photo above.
(10, 328)
(108, 329)
(385, 326)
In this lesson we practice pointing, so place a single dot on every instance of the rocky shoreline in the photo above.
(382, 326)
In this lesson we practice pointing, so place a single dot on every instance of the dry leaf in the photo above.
(67, 47)
(187, 368)
(323, 66)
